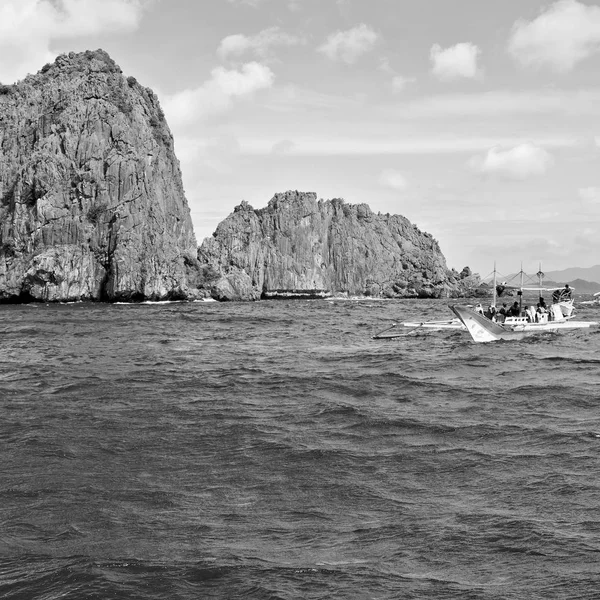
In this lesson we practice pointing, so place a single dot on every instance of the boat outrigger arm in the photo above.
(391, 332)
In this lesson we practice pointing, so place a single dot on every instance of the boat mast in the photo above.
(494, 296)
(521, 291)
(540, 278)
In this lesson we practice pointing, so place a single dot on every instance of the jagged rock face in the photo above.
(91, 199)
(299, 243)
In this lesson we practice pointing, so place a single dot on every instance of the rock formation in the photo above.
(91, 199)
(298, 244)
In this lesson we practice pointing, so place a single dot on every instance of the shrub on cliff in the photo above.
(95, 212)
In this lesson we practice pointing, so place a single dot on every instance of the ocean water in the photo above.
(274, 450)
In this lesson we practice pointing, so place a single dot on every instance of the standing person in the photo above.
(564, 294)
(514, 310)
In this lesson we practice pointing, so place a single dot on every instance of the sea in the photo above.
(275, 450)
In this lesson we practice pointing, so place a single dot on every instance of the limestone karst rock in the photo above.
(91, 200)
(300, 243)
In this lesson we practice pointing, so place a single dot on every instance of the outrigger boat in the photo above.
(491, 325)
(529, 320)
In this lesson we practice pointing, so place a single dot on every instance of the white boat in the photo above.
(482, 329)
(530, 321)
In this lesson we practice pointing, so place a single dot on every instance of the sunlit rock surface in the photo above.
(298, 243)
(91, 200)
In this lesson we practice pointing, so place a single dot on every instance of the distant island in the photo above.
(299, 244)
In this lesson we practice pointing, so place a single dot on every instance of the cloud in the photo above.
(260, 45)
(501, 102)
(251, 3)
(216, 95)
(199, 156)
(27, 28)
(590, 195)
(565, 34)
(340, 145)
(393, 179)
(348, 46)
(454, 62)
(399, 83)
(293, 5)
(519, 162)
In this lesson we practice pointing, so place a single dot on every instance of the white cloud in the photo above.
(348, 46)
(519, 162)
(590, 195)
(293, 5)
(252, 3)
(27, 28)
(217, 94)
(565, 34)
(260, 45)
(393, 179)
(501, 102)
(454, 62)
(339, 145)
(399, 83)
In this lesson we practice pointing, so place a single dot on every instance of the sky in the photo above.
(478, 120)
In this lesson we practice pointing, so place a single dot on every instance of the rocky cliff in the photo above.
(298, 243)
(91, 199)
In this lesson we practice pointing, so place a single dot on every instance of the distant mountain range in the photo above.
(581, 286)
(591, 274)
(583, 280)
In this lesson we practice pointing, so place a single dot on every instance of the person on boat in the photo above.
(530, 313)
(479, 309)
(502, 313)
(540, 310)
(490, 312)
(514, 310)
(542, 303)
(560, 295)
